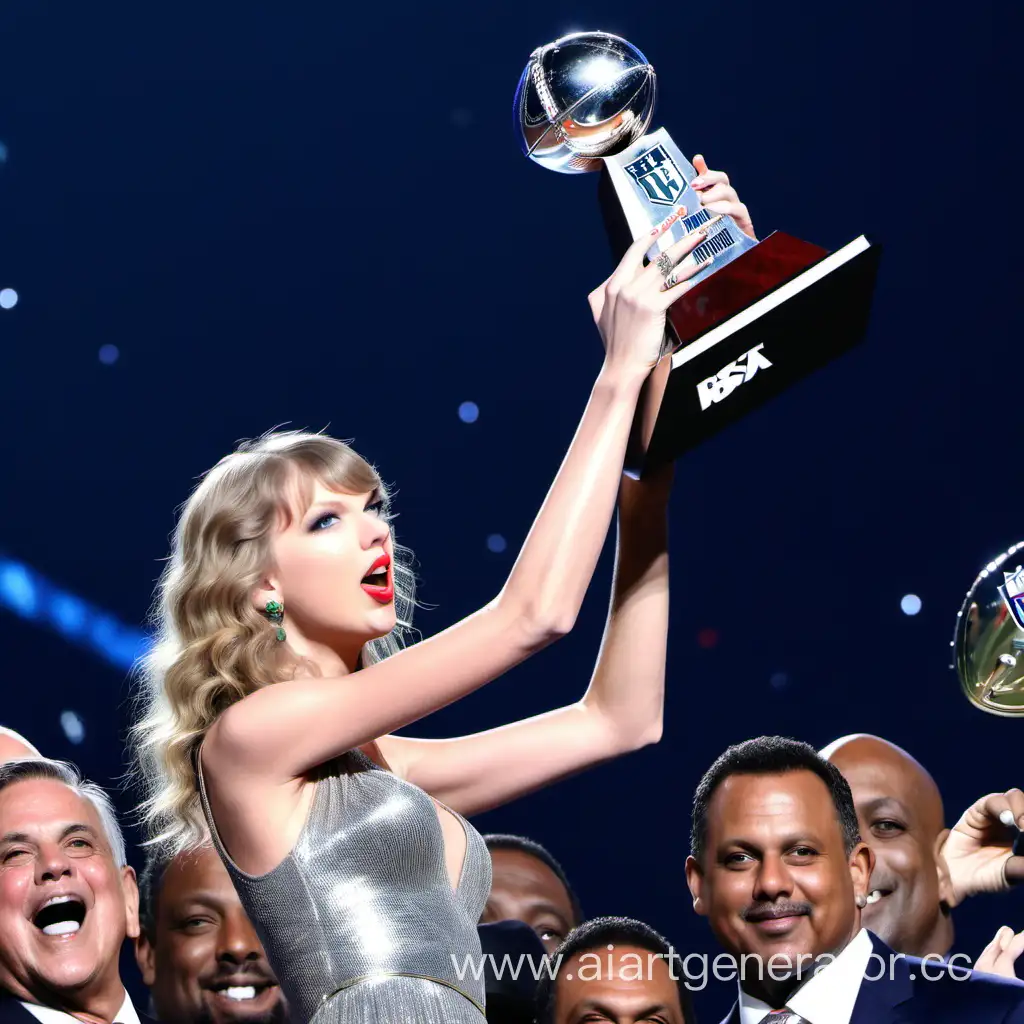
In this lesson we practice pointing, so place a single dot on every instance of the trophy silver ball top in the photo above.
(583, 97)
(988, 646)
(778, 308)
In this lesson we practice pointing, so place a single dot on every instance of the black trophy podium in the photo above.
(756, 326)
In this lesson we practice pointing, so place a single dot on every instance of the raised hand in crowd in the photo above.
(979, 848)
(1000, 955)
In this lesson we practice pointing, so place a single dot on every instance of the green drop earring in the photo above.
(275, 612)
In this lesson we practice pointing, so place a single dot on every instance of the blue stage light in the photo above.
(8, 298)
(69, 614)
(31, 596)
(496, 543)
(17, 589)
(469, 412)
(911, 604)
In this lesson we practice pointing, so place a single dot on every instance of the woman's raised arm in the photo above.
(280, 732)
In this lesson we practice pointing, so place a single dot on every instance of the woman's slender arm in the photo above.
(280, 732)
(621, 710)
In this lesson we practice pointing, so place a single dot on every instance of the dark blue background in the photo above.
(317, 214)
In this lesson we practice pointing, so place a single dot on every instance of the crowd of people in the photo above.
(832, 872)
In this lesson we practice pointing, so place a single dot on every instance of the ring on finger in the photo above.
(665, 263)
(671, 279)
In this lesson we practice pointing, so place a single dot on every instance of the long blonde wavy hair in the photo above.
(212, 647)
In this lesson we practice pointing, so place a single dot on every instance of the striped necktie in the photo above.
(783, 1017)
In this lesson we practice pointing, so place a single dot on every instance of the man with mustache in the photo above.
(922, 869)
(778, 867)
(67, 899)
(197, 950)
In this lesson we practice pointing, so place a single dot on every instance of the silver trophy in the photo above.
(988, 646)
(777, 308)
(586, 100)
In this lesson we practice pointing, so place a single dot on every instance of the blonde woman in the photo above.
(271, 708)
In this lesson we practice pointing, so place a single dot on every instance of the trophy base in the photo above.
(769, 318)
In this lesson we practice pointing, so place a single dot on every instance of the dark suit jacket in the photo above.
(952, 996)
(12, 1012)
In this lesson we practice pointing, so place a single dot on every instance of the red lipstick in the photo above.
(382, 592)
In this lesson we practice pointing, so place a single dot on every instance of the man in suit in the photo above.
(14, 746)
(778, 868)
(529, 885)
(197, 949)
(923, 869)
(67, 899)
(615, 970)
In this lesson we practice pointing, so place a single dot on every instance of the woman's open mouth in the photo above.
(378, 582)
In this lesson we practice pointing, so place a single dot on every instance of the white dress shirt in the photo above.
(48, 1015)
(827, 997)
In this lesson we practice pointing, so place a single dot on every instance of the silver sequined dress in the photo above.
(360, 921)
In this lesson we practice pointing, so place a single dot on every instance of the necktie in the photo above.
(783, 1017)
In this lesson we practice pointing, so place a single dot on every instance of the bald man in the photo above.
(14, 746)
(922, 869)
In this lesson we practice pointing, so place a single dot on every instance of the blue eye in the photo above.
(323, 522)
(376, 507)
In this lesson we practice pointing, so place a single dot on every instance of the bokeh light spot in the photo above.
(73, 726)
